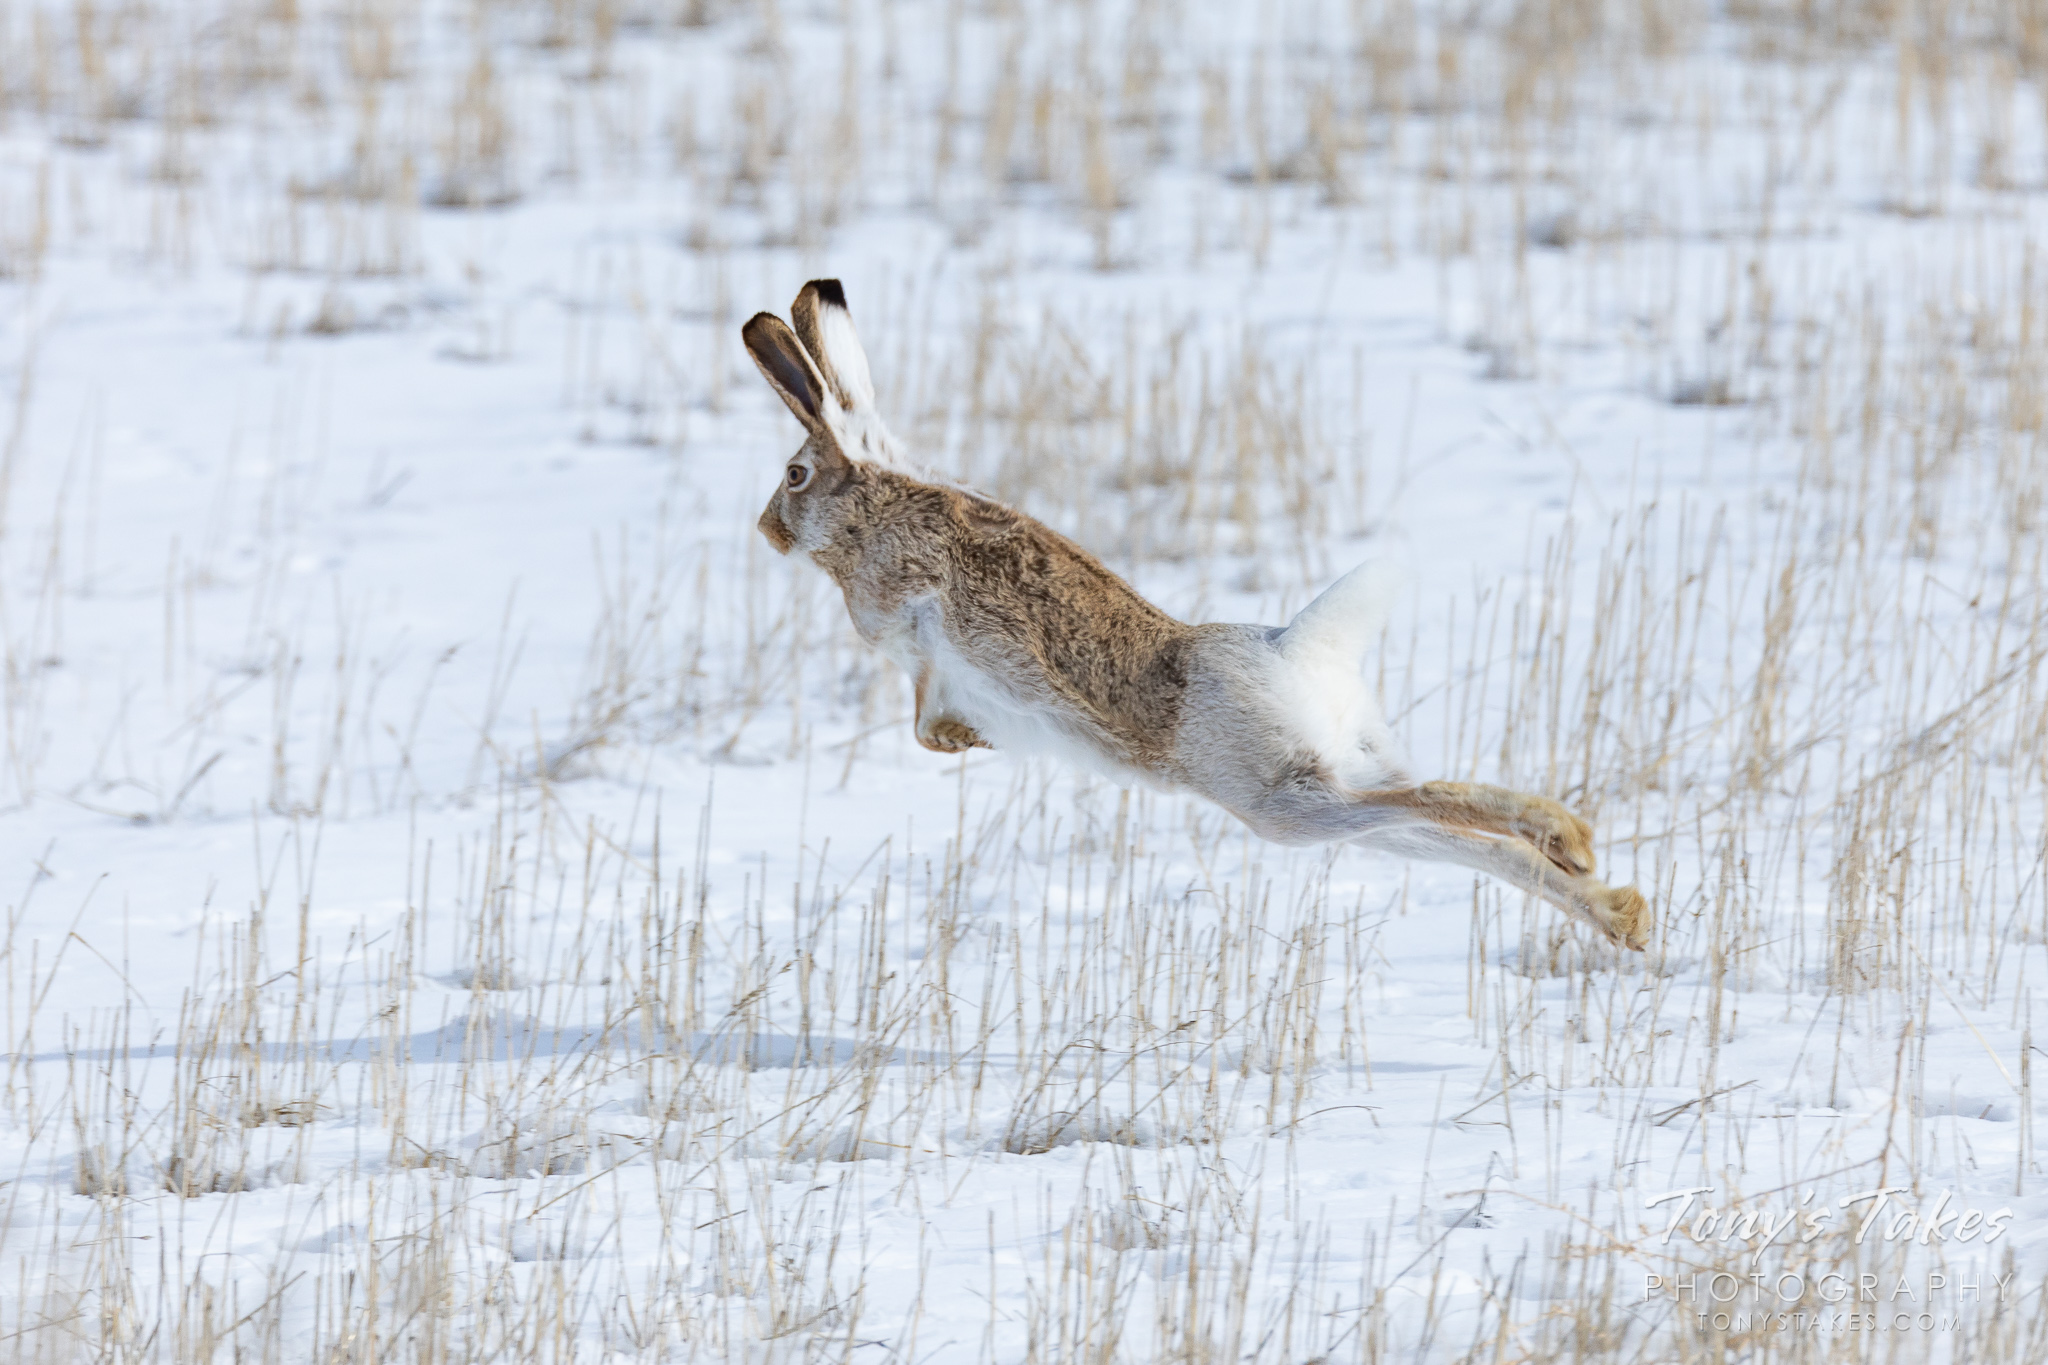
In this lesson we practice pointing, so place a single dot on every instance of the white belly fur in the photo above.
(1013, 723)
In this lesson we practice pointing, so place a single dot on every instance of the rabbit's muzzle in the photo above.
(774, 527)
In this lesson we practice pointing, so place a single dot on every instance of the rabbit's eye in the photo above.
(798, 476)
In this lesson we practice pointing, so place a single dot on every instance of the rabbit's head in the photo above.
(822, 373)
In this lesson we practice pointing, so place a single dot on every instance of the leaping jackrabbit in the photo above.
(1017, 639)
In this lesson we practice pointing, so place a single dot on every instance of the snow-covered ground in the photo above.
(467, 899)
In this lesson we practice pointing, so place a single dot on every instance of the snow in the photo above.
(467, 897)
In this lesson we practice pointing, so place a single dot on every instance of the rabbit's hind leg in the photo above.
(1538, 821)
(1618, 912)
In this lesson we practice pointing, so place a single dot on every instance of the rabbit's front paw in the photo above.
(947, 736)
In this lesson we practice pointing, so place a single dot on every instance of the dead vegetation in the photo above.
(594, 1090)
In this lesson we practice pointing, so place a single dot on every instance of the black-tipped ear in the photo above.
(826, 327)
(787, 368)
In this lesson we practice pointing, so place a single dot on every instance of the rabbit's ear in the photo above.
(788, 369)
(822, 320)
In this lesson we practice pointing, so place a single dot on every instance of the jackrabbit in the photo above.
(1017, 639)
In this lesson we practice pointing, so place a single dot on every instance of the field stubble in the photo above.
(599, 1053)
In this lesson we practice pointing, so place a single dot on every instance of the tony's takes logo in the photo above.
(1879, 1212)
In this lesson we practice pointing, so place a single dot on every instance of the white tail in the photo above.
(1333, 631)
